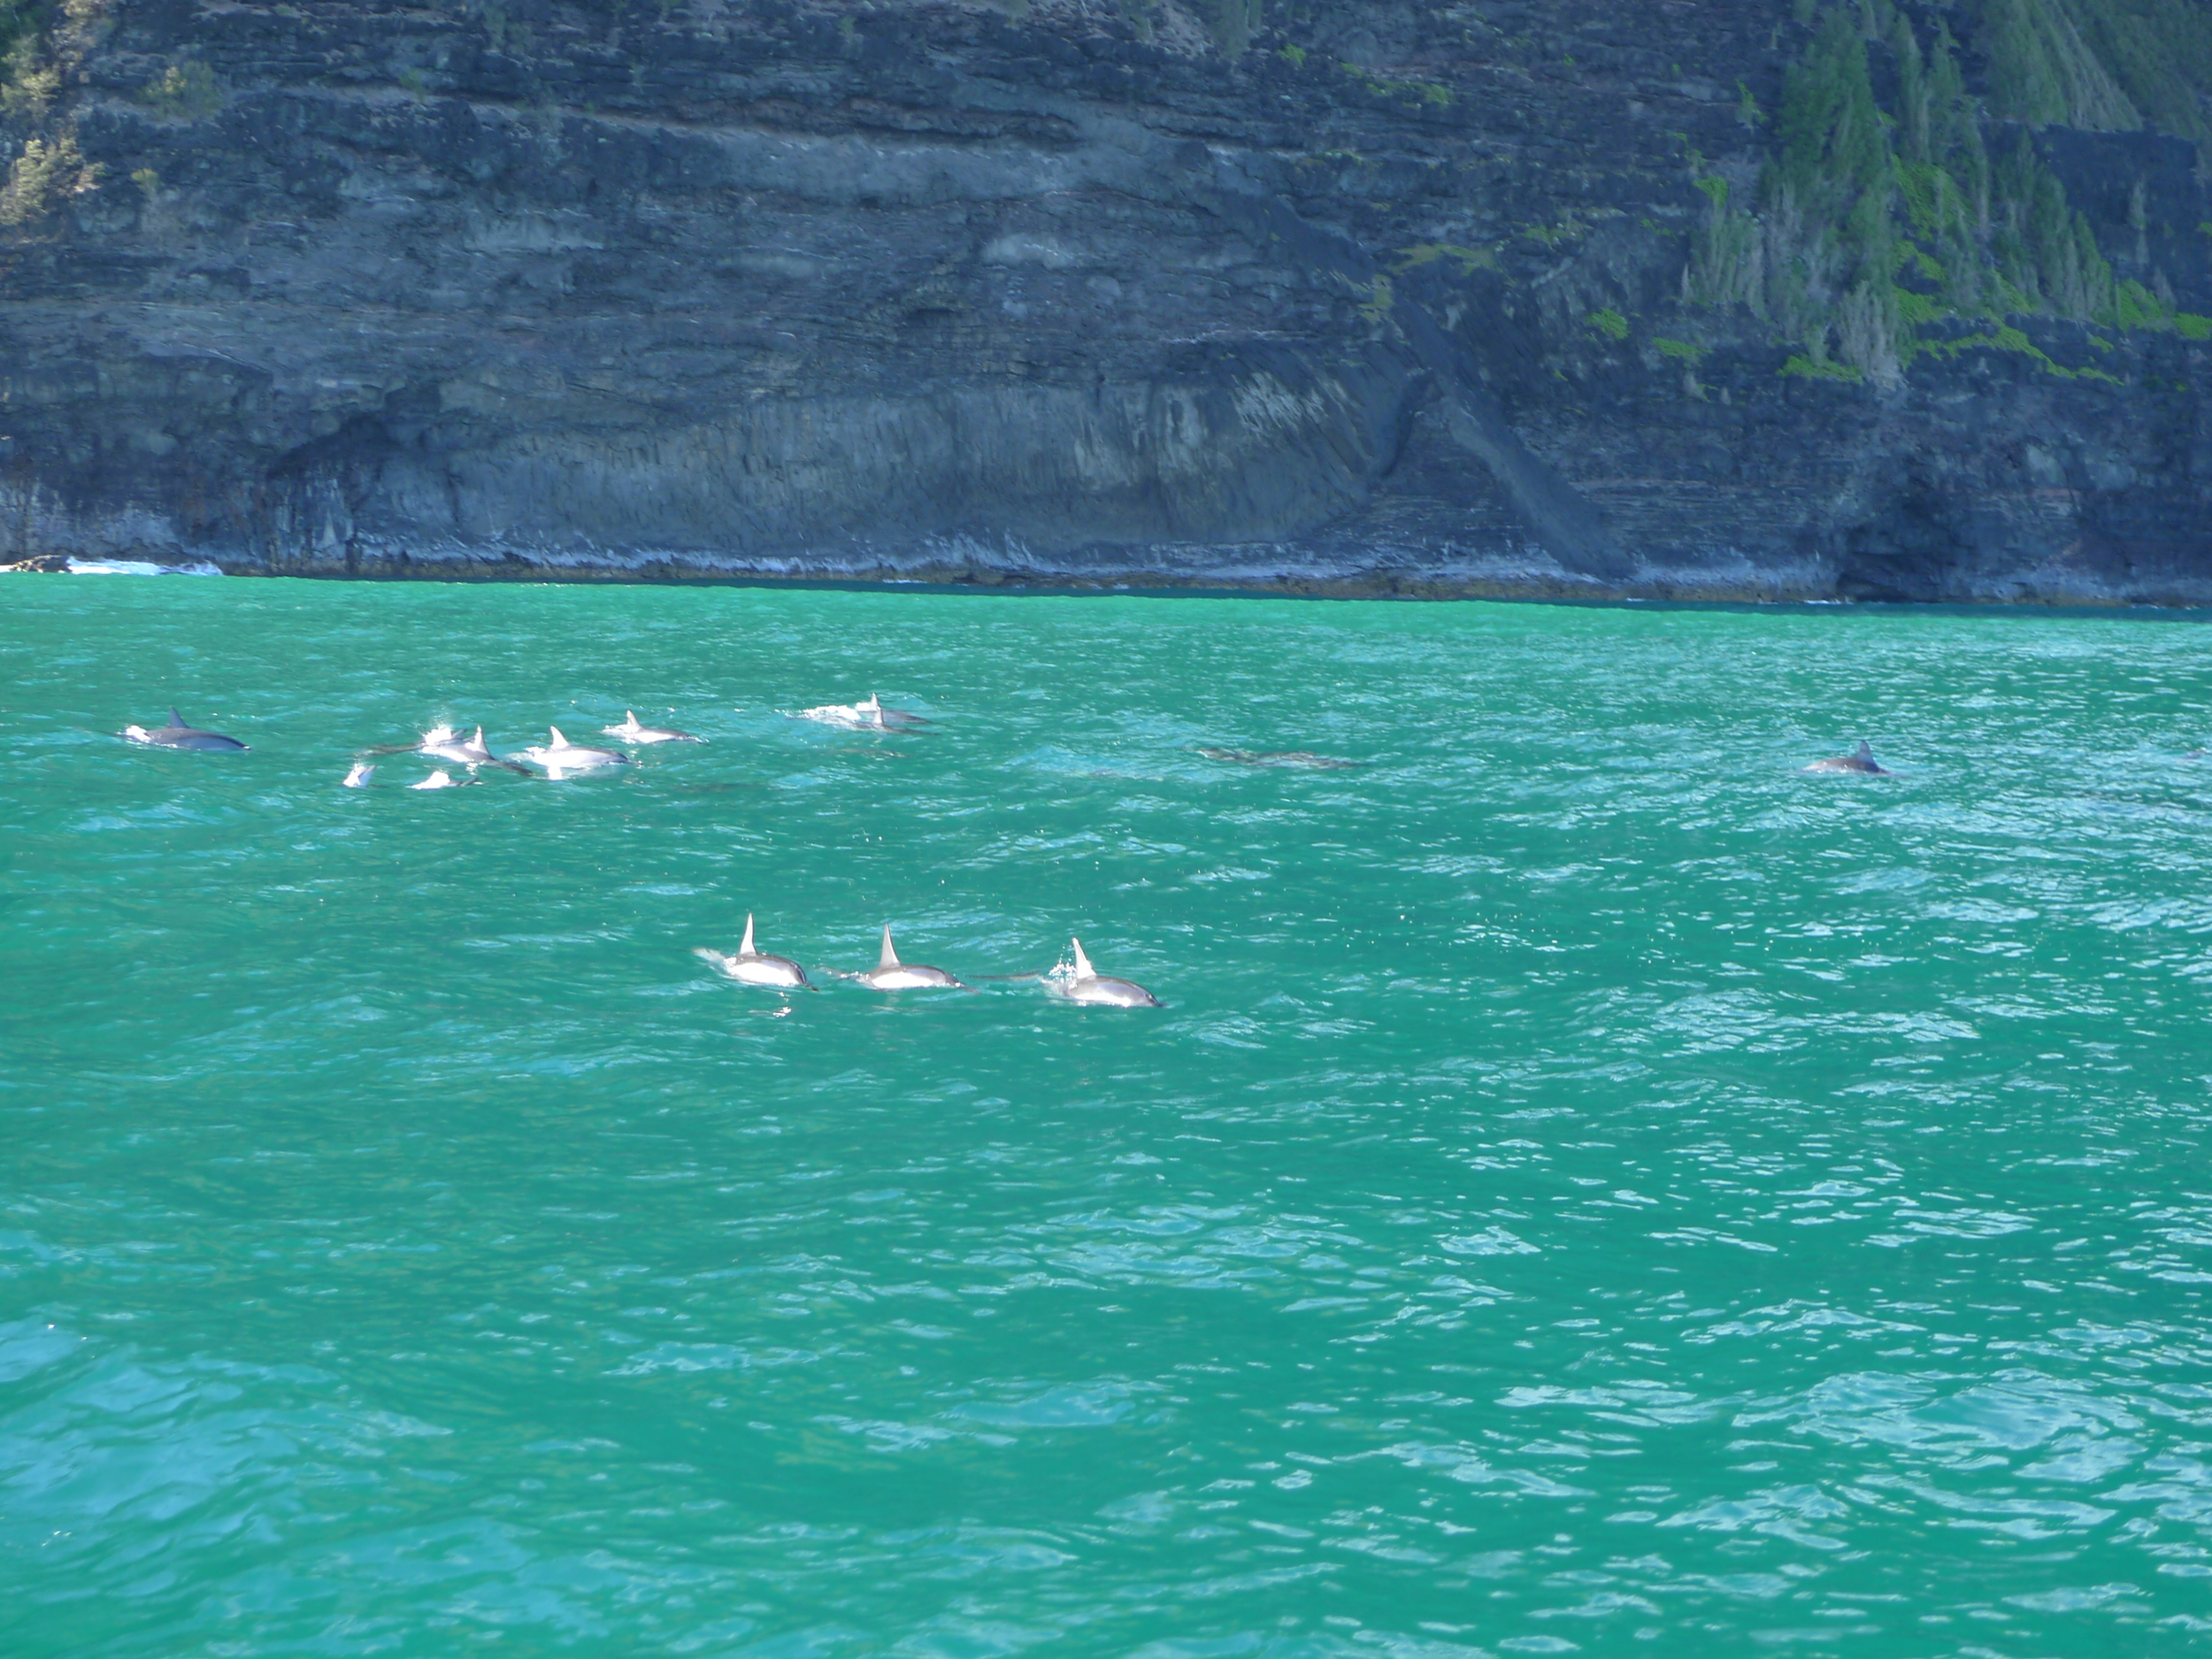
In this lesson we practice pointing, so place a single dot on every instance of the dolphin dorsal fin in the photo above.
(745, 950)
(174, 717)
(629, 718)
(558, 740)
(479, 739)
(890, 957)
(1083, 969)
(1865, 750)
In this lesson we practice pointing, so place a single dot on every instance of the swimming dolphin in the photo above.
(476, 752)
(442, 779)
(1861, 759)
(1086, 985)
(358, 778)
(631, 732)
(891, 974)
(749, 967)
(889, 719)
(871, 715)
(443, 742)
(1279, 758)
(560, 757)
(177, 734)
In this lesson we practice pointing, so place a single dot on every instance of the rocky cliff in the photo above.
(1730, 298)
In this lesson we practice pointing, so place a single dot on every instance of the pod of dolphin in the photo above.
(560, 759)
(749, 965)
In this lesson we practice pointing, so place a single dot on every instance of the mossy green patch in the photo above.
(1804, 368)
(1468, 260)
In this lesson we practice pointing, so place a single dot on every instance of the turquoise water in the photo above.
(1592, 1187)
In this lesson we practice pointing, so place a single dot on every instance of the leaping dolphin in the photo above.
(177, 734)
(1861, 759)
(631, 732)
(751, 967)
(560, 757)
(358, 778)
(1087, 985)
(891, 974)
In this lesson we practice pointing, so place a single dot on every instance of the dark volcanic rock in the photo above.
(925, 290)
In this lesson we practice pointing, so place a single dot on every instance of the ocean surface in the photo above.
(1593, 1188)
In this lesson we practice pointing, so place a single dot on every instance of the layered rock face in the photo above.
(1392, 297)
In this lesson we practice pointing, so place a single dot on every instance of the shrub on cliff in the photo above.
(42, 176)
(1873, 221)
(188, 91)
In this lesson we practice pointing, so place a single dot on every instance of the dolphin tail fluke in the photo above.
(890, 957)
(1083, 969)
(745, 950)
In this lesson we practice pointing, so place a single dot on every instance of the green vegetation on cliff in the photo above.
(1871, 223)
(2108, 64)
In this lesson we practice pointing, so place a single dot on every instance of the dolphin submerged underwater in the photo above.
(177, 734)
(1300, 757)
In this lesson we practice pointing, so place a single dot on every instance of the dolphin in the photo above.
(875, 714)
(871, 715)
(560, 757)
(476, 752)
(177, 734)
(1279, 758)
(441, 779)
(631, 732)
(891, 974)
(1861, 759)
(1086, 985)
(443, 742)
(358, 778)
(751, 967)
